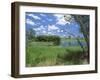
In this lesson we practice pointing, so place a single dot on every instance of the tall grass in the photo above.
(72, 57)
(41, 54)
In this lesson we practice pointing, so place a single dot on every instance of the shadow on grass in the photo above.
(71, 57)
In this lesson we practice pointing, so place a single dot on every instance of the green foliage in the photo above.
(54, 39)
(83, 21)
(73, 56)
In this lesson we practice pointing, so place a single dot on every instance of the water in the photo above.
(71, 43)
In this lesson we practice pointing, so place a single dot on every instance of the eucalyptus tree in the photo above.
(83, 21)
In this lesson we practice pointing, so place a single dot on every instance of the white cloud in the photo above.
(44, 31)
(64, 35)
(58, 15)
(49, 32)
(39, 28)
(52, 27)
(60, 19)
(34, 16)
(36, 29)
(28, 21)
(62, 31)
(42, 27)
(58, 30)
(42, 14)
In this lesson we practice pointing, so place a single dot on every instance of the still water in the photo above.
(71, 43)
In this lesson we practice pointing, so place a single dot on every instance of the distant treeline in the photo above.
(43, 38)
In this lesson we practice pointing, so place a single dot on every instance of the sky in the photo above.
(52, 24)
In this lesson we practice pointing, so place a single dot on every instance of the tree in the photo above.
(83, 21)
(51, 38)
(30, 34)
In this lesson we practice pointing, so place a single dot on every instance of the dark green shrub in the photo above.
(54, 39)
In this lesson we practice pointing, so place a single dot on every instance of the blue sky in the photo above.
(51, 24)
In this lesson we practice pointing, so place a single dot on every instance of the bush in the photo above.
(54, 39)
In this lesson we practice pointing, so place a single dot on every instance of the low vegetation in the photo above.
(40, 53)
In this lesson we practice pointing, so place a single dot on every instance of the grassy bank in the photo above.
(46, 54)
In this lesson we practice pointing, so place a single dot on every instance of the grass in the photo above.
(72, 57)
(46, 54)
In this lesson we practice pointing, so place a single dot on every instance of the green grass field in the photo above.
(46, 54)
